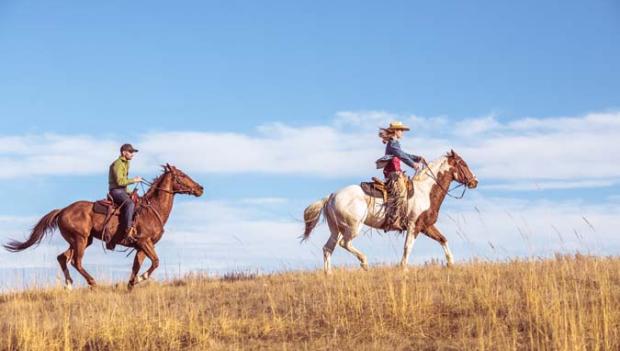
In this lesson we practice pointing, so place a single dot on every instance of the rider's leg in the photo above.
(396, 211)
(122, 198)
(129, 209)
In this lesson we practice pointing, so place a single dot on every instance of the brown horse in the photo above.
(79, 224)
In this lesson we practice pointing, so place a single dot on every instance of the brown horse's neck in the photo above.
(440, 189)
(161, 196)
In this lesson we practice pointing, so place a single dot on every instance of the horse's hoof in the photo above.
(143, 277)
(364, 266)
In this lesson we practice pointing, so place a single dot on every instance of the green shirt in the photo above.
(119, 171)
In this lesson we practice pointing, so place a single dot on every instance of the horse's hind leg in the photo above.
(328, 249)
(79, 247)
(331, 243)
(346, 243)
(434, 233)
(63, 259)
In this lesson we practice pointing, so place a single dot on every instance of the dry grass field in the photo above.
(566, 303)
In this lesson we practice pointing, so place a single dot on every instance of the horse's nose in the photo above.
(473, 184)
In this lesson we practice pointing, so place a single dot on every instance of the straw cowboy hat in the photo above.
(398, 125)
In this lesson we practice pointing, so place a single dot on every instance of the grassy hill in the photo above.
(565, 303)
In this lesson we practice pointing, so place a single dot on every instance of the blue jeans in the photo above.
(120, 197)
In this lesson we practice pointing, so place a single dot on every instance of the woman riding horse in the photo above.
(396, 181)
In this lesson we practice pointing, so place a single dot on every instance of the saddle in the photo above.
(110, 209)
(377, 188)
(107, 205)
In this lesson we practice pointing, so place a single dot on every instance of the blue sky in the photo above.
(263, 102)
(236, 64)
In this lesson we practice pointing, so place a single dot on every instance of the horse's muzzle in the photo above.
(199, 191)
(472, 183)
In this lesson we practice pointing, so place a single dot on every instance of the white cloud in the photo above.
(50, 154)
(264, 201)
(554, 151)
(475, 126)
(546, 185)
(599, 122)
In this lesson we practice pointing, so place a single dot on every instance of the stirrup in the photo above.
(131, 235)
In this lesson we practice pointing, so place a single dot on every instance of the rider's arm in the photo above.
(395, 150)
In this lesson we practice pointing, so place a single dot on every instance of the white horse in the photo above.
(347, 209)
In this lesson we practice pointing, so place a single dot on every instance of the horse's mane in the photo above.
(423, 174)
(155, 183)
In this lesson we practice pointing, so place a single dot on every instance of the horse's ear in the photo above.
(452, 153)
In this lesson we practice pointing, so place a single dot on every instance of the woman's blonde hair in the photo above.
(386, 134)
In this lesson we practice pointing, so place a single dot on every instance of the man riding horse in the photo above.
(396, 180)
(118, 185)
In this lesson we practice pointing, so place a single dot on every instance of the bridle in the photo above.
(176, 179)
(464, 179)
(147, 203)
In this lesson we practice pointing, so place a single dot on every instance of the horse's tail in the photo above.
(312, 214)
(46, 225)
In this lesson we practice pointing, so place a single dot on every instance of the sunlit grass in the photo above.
(566, 303)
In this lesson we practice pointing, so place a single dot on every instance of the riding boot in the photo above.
(131, 235)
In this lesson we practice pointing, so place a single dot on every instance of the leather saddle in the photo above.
(108, 208)
(107, 205)
(378, 189)
(104, 206)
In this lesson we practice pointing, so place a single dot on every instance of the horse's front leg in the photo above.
(149, 250)
(434, 233)
(137, 263)
(412, 234)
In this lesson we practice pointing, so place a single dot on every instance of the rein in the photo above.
(187, 191)
(447, 191)
(146, 202)
(150, 184)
